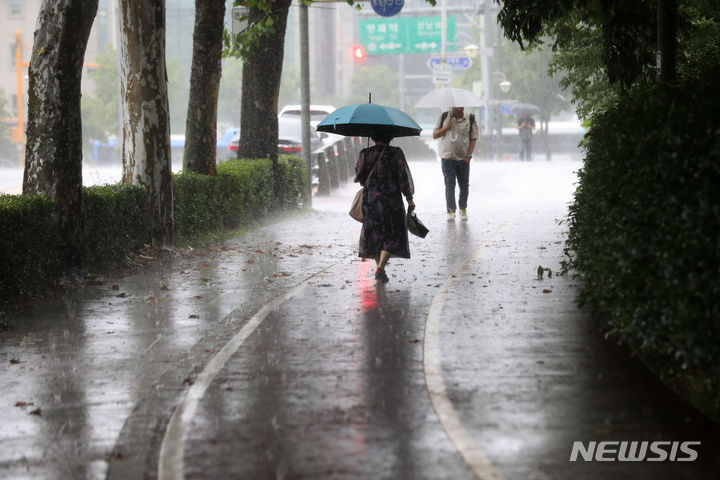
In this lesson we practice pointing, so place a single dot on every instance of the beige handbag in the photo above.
(356, 210)
(356, 207)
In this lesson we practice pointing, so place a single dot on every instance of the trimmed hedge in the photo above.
(116, 222)
(241, 192)
(30, 244)
(116, 218)
(645, 230)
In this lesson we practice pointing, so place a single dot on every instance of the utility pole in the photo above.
(498, 67)
(305, 95)
(443, 31)
(488, 78)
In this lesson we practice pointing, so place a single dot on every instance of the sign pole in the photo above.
(443, 30)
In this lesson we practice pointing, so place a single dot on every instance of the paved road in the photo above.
(277, 356)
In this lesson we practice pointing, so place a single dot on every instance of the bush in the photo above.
(30, 244)
(293, 178)
(244, 190)
(116, 222)
(116, 218)
(194, 204)
(644, 228)
(241, 192)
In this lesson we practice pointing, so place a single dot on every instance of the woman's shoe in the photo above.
(382, 276)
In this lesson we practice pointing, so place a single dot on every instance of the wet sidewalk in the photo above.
(276, 355)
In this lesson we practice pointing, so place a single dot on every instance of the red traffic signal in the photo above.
(358, 53)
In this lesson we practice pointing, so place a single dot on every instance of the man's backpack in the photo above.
(472, 120)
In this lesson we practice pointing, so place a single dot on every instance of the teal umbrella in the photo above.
(365, 119)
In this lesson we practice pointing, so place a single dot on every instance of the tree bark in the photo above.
(53, 153)
(145, 114)
(666, 40)
(201, 128)
(260, 90)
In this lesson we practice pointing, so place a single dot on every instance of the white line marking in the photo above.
(171, 461)
(471, 453)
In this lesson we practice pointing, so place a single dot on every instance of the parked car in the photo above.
(289, 138)
(317, 112)
(233, 145)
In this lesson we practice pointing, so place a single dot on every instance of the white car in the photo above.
(317, 112)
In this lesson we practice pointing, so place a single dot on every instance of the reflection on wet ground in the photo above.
(331, 383)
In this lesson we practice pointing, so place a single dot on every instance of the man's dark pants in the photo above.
(456, 171)
(526, 149)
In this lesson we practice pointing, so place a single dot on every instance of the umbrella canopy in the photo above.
(446, 98)
(364, 119)
(524, 108)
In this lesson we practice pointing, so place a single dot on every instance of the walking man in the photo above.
(457, 133)
(526, 125)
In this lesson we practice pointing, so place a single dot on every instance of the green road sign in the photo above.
(405, 34)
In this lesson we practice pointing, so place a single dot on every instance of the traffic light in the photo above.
(358, 53)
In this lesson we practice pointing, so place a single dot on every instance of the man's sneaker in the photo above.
(451, 216)
(463, 215)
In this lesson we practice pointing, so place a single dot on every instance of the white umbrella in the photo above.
(449, 97)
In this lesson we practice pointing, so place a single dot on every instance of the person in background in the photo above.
(457, 133)
(384, 234)
(526, 125)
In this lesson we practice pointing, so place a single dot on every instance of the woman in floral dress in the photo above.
(384, 234)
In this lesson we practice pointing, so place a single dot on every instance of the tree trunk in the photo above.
(201, 128)
(666, 40)
(53, 153)
(260, 89)
(145, 115)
